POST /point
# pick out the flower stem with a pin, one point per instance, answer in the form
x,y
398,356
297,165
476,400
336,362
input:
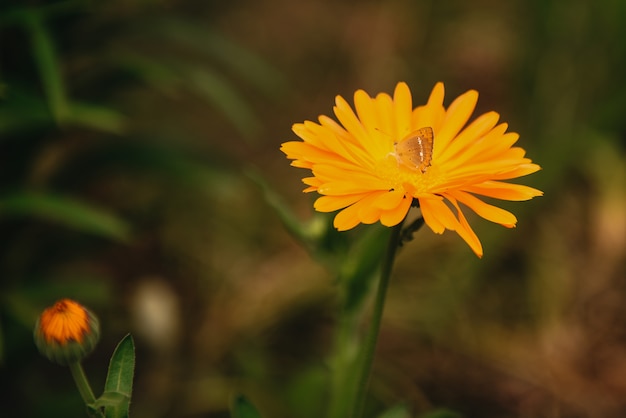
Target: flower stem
x,y
84,388
367,354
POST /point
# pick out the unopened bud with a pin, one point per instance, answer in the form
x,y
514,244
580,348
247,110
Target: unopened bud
x,y
66,332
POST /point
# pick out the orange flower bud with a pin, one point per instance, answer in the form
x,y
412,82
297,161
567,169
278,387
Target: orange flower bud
x,y
66,332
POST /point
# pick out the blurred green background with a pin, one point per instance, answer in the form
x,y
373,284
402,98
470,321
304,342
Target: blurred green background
x,y
140,174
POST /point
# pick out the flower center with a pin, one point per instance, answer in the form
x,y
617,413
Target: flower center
x,y
402,177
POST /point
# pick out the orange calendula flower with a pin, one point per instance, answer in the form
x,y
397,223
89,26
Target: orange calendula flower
x,y
66,332
388,156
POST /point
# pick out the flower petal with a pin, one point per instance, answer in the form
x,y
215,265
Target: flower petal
x,y
348,119
359,180
504,191
457,116
371,119
349,149
519,171
333,203
437,215
402,109
394,216
305,150
467,233
338,188
466,139
347,218
485,210
433,112
389,200
368,213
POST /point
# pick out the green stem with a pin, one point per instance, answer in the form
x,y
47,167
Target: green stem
x,y
84,388
367,355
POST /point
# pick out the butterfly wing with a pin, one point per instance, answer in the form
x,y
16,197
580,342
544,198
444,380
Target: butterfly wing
x,y
415,150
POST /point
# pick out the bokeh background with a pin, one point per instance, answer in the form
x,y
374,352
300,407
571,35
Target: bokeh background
x,y
140,174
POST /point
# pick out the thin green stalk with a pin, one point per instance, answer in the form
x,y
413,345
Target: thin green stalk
x,y
367,354
84,388
342,363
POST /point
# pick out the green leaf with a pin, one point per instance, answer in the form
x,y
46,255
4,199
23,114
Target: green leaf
x,y
397,411
167,164
96,117
45,56
243,408
221,93
111,399
441,413
25,110
283,211
197,37
162,76
67,211
169,75
119,383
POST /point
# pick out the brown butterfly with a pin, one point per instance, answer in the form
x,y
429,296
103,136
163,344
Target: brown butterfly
x,y
415,150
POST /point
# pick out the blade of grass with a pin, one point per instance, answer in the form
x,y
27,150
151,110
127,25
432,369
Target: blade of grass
x,y
67,211
46,59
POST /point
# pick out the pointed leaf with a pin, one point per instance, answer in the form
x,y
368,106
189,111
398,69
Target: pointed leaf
x,y
197,37
96,117
283,211
120,378
221,93
243,408
46,58
71,212
397,411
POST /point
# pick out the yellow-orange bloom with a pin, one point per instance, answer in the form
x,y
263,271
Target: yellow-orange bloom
x,y
375,163
65,321
66,331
